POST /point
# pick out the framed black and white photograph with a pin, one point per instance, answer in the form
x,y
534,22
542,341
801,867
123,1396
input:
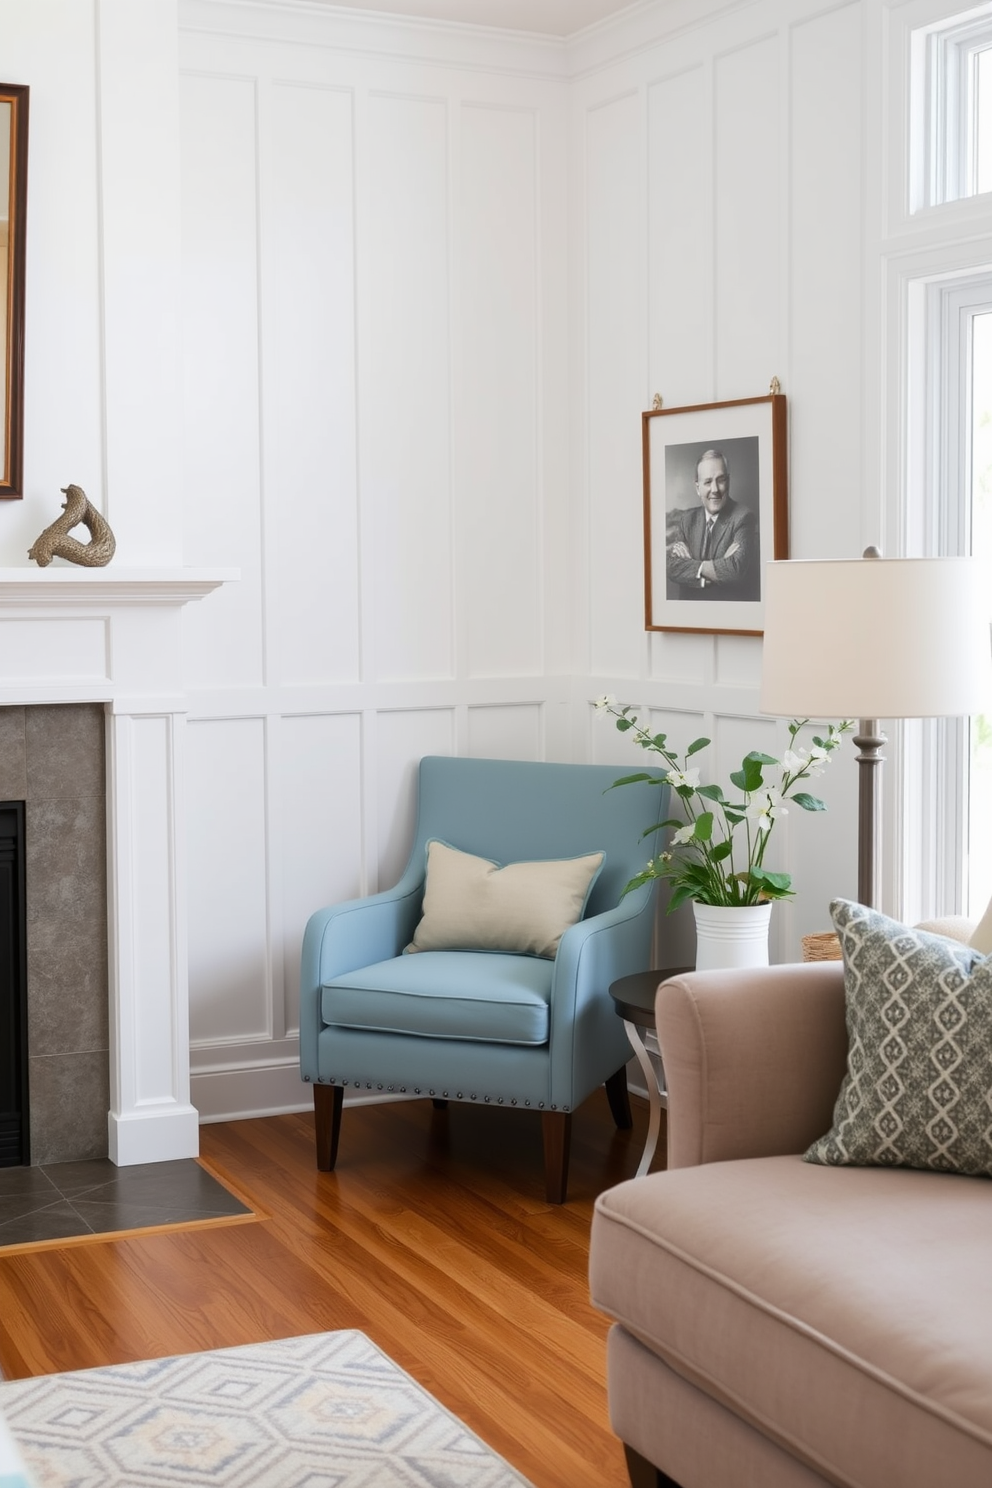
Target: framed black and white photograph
x,y
716,509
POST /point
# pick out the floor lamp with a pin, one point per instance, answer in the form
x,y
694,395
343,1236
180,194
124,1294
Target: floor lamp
x,y
872,638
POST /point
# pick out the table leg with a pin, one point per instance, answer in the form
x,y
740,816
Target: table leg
x,y
656,1100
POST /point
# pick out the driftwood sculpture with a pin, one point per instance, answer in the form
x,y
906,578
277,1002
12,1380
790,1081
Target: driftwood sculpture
x,y
55,541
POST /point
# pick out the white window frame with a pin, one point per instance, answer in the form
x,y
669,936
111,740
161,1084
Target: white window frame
x,y
935,754
944,78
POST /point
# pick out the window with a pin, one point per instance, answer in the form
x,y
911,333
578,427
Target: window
x,y
952,108
979,487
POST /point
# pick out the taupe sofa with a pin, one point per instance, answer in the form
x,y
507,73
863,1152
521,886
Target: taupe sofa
x,y
780,1324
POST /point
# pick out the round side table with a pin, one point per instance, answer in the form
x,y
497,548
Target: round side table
x,y
634,998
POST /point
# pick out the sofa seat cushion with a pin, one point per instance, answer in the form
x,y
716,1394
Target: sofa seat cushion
x,y
845,1312
475,995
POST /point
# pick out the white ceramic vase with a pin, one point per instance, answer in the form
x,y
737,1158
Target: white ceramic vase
x,y
728,937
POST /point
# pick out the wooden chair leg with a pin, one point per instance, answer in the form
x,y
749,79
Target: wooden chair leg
x,y
327,1103
644,1474
616,1094
557,1131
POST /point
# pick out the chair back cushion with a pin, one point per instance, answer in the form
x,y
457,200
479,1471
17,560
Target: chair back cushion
x,y
514,811
474,904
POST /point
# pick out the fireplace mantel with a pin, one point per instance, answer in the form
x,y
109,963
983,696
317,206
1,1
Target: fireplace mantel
x,y
114,636
98,587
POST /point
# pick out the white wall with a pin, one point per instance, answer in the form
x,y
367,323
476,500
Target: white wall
x,y
371,310
374,296
717,237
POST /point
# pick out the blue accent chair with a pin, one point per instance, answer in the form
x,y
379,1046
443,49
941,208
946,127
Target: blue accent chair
x,y
424,1036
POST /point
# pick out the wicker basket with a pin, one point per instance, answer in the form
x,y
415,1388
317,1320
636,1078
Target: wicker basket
x,y
822,947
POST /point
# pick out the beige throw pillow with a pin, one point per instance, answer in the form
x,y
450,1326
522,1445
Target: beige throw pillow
x,y
472,904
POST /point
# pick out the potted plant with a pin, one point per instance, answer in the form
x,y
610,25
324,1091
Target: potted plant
x,y
716,854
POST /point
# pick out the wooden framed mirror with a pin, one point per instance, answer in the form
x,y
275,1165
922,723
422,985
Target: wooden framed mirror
x,y
13,238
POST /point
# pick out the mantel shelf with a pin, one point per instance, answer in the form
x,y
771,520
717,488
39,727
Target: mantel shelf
x,y
100,587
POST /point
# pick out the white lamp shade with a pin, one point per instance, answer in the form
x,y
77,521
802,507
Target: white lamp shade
x,y
876,638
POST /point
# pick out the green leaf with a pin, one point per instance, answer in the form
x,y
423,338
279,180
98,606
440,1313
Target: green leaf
x,y
659,741
704,826
751,771
634,779
721,851
680,894
780,882
711,792
696,746
762,759
623,724
808,802
672,821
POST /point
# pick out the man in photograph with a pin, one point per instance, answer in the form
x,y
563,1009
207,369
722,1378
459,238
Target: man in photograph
x,y
712,550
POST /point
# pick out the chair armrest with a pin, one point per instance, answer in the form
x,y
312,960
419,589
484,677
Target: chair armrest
x,y
754,1059
585,1027
358,932
955,927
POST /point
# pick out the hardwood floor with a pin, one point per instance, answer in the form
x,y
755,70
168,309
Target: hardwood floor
x,y
432,1236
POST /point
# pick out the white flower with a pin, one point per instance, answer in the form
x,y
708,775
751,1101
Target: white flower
x,y
684,834
794,759
764,806
604,703
819,753
680,778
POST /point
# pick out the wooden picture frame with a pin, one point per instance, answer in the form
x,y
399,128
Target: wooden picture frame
x,y
728,460
13,252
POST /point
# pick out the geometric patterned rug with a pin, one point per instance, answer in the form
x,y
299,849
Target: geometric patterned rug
x,y
328,1410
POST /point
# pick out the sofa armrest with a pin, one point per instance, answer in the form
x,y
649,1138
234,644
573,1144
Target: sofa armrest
x,y
754,1059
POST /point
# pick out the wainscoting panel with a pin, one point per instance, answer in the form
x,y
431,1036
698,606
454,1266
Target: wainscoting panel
x,y
310,455
826,234
220,445
497,397
402,739
229,921
507,732
615,315
751,250
317,817
405,381
680,237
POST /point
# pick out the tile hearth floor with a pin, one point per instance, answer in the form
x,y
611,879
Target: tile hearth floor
x,y
64,1201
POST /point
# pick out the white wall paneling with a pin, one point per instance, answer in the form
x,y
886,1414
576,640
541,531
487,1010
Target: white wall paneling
x,y
309,394
748,239
138,135
497,391
230,976
681,242
613,313
422,282
374,354
826,234
405,380
502,732
220,435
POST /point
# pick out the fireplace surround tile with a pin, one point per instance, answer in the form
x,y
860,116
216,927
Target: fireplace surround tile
x,y
65,752
13,756
70,1096
53,757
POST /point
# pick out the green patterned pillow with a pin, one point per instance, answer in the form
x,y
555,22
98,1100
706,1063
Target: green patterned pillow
x,y
918,1088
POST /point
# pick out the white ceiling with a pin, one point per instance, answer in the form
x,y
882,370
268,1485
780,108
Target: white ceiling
x,y
546,17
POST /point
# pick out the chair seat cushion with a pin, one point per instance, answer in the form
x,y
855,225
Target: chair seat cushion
x,y
844,1312
473,995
